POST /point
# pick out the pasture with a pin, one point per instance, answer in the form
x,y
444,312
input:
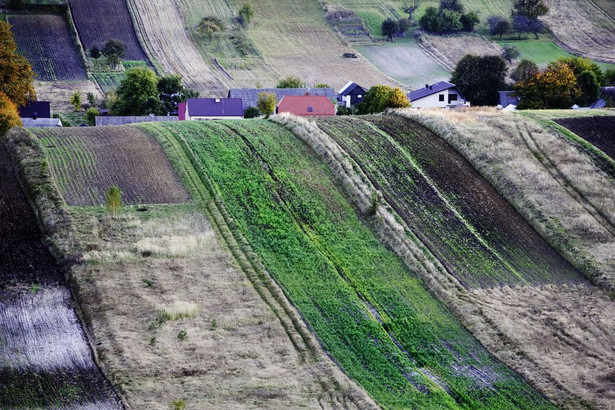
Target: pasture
x,y
369,311
100,21
84,170
45,40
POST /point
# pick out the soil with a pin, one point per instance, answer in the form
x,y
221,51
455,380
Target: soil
x,y
600,131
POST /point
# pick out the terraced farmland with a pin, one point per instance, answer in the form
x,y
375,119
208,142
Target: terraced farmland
x,y
473,231
596,130
84,169
370,312
103,20
44,39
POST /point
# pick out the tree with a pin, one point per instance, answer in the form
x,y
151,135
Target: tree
x,y
510,53
171,92
469,21
389,27
480,78
209,26
381,97
114,50
524,71
95,53
453,5
499,25
113,199
555,87
442,20
251,112
266,103
9,116
90,115
322,85
92,100
589,86
402,26
580,64
136,93
16,75
410,7
531,9
246,12
609,77
75,101
16,4
290,82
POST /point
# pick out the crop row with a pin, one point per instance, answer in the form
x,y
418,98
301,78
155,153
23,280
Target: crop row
x,y
465,223
370,312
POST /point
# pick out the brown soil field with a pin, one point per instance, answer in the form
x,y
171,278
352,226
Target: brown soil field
x,y
568,331
103,20
86,162
162,27
46,42
600,131
589,31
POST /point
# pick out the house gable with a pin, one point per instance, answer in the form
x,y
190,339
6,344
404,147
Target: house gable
x,y
306,105
439,95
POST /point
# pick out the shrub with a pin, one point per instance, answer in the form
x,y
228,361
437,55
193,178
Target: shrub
x,y
75,101
246,12
290,82
114,199
266,103
251,112
182,335
90,115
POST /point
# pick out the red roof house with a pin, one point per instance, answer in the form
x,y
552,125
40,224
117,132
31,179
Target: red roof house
x,y
306,105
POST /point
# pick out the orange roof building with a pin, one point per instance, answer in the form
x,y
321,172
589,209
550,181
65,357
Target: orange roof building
x,y
306,105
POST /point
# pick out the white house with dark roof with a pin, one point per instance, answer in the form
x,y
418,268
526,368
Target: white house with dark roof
x,y
439,95
350,94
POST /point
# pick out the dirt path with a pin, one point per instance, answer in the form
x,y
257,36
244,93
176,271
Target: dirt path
x,y
45,359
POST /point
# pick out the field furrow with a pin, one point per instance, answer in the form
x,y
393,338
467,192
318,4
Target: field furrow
x,y
370,312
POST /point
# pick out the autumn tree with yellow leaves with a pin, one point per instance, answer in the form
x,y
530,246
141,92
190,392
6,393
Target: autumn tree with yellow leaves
x,y
9,117
555,87
16,75
381,97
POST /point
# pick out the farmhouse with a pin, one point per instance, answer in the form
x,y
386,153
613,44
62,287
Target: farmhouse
x,y
249,96
212,109
306,105
350,94
35,109
439,95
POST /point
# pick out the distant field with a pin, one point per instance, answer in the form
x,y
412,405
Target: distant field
x,y
406,62
600,131
448,50
84,171
103,20
46,42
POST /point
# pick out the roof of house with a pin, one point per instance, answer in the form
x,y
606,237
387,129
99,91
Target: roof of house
x,y
350,87
123,120
607,92
250,95
38,109
429,90
507,98
599,103
306,105
41,122
214,107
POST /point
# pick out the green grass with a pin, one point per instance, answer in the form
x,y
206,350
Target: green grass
x,y
108,81
370,312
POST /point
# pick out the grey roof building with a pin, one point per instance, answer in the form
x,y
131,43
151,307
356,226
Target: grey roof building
x,y
507,98
249,96
123,120
41,122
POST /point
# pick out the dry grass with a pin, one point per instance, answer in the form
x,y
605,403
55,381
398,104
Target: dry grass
x,y
60,92
569,332
555,186
583,28
235,353
165,37
447,51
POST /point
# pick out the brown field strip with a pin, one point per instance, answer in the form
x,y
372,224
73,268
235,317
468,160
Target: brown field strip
x,y
599,131
86,162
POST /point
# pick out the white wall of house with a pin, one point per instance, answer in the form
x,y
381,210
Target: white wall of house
x,y
439,100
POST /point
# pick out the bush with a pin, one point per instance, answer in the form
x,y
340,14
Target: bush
x,y
266,103
251,112
9,116
440,21
75,101
469,21
499,25
90,115
290,82
114,199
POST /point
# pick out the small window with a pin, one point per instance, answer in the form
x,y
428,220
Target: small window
x,y
452,97
359,96
310,109
441,97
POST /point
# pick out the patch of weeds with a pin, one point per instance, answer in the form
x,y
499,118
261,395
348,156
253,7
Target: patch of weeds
x,y
214,324
178,404
160,319
35,288
182,335
148,282
153,341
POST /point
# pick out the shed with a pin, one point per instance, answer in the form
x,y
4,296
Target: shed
x,y
350,94
306,105
249,96
439,95
213,108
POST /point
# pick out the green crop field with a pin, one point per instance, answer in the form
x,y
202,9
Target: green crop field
x,y
370,312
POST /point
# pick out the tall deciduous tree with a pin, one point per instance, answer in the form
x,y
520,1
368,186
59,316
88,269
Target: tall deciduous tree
x,y
555,87
524,71
499,25
389,27
138,93
9,117
410,7
480,78
171,92
529,8
16,75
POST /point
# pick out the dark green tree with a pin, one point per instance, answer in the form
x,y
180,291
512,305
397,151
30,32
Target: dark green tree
x,y
499,25
171,92
137,93
510,53
609,77
115,47
389,27
529,8
251,112
95,53
590,88
469,21
480,78
524,71
453,5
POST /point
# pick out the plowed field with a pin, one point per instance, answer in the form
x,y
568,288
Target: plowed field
x,y
600,131
103,20
86,162
476,234
46,42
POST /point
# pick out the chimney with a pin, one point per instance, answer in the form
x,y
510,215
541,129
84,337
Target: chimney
x,y
430,87
426,85
307,93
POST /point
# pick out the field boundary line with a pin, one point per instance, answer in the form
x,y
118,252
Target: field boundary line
x,y
305,343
